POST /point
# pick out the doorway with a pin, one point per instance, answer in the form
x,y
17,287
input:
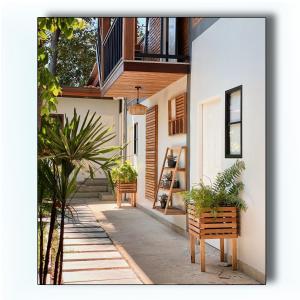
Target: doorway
x,y
211,144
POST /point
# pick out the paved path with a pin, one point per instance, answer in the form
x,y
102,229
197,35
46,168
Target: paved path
x,y
158,251
90,256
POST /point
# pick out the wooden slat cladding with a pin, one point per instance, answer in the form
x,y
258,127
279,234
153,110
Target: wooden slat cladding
x,y
177,123
154,36
151,152
222,224
126,187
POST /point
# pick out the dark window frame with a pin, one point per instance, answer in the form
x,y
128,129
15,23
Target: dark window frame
x,y
228,123
135,137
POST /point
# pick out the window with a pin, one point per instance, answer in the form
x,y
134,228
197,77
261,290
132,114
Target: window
x,y
233,123
177,115
135,139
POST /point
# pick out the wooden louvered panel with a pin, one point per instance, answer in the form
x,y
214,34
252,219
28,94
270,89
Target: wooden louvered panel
x,y
177,123
151,152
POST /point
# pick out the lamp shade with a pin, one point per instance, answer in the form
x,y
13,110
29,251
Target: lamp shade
x,y
137,109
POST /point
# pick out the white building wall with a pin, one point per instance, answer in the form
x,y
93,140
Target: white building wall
x,y
228,54
107,109
164,140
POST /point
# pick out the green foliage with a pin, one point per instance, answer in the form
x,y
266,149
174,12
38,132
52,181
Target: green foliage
x,y
82,146
124,173
225,191
77,56
63,152
48,84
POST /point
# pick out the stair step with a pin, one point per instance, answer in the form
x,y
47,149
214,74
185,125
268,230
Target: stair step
x,y
86,195
107,196
92,188
96,181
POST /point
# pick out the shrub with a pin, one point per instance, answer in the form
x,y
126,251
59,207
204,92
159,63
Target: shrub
x,y
124,173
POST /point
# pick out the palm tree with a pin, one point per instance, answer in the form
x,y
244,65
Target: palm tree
x,y
70,149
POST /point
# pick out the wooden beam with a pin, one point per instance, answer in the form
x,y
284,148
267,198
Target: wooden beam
x,y
82,92
105,24
129,38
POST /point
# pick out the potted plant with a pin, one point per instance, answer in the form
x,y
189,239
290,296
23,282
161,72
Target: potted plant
x,y
176,184
213,211
171,160
124,177
224,192
166,180
163,200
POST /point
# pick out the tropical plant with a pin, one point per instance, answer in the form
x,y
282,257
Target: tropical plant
x,y
124,173
63,153
49,31
225,191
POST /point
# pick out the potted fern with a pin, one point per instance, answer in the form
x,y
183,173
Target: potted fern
x,y
224,192
124,177
213,211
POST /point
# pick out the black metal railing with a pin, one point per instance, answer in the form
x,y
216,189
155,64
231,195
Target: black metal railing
x,y
98,52
112,47
168,48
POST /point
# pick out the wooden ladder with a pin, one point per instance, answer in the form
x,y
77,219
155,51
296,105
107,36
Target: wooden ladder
x,y
174,172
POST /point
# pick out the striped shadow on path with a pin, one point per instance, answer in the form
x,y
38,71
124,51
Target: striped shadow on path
x,y
90,256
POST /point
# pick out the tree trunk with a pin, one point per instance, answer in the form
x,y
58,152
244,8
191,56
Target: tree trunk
x,y
41,247
62,231
50,237
59,254
54,51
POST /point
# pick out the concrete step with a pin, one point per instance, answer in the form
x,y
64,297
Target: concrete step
x,y
92,188
109,281
96,181
87,241
86,195
89,248
94,264
81,235
104,255
99,275
107,196
83,230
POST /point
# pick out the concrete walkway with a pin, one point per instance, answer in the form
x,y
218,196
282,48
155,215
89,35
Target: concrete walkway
x,y
157,251
90,256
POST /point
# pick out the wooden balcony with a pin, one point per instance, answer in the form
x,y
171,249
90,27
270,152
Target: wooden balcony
x,y
125,63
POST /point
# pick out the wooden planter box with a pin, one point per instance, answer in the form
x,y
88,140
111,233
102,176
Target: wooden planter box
x,y
128,188
222,225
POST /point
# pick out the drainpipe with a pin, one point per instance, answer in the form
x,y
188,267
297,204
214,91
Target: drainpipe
x,y
124,100
188,100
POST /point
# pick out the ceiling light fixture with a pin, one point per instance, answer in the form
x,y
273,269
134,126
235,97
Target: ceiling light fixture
x,y
137,109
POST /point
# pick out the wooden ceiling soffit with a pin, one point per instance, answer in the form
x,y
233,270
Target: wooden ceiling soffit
x,y
151,76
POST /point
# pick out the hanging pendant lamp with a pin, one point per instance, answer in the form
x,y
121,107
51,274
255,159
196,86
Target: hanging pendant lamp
x,y
137,109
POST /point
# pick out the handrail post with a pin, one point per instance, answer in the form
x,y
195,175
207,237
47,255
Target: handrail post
x,y
128,46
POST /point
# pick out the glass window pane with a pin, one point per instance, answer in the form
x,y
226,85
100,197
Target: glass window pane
x,y
235,138
235,106
172,36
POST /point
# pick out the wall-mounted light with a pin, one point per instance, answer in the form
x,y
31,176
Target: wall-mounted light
x,y
137,109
